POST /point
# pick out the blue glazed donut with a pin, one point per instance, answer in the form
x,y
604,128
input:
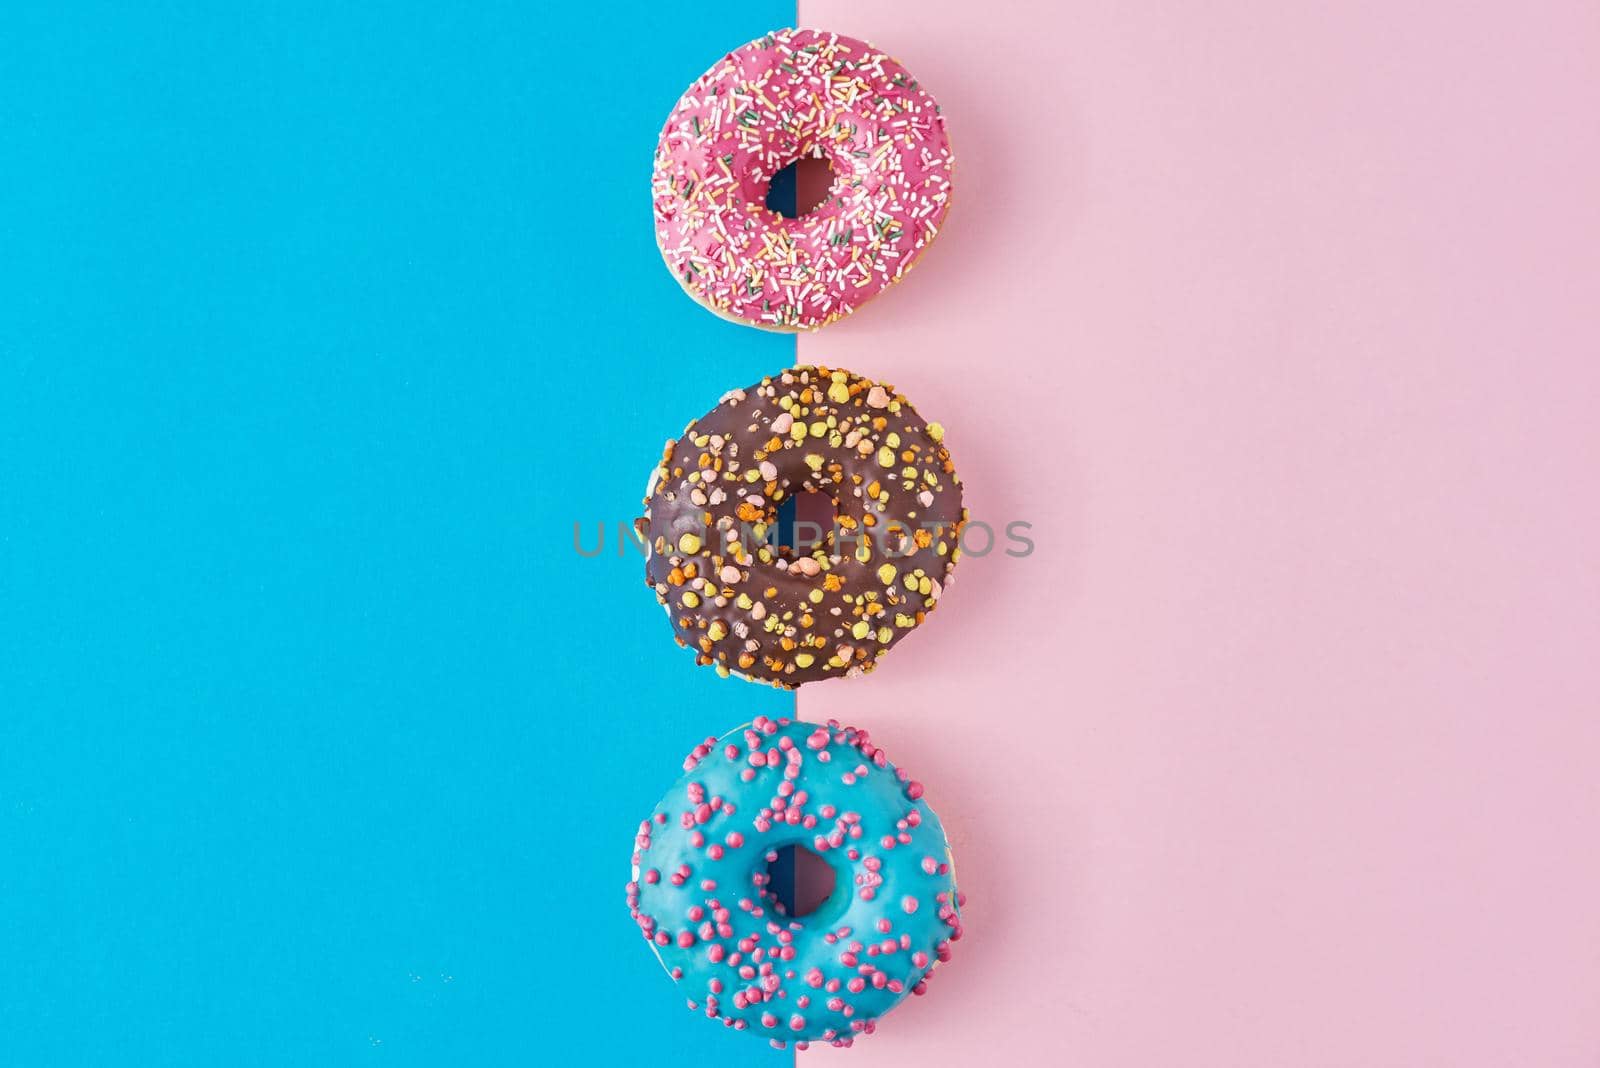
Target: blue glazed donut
x,y
701,891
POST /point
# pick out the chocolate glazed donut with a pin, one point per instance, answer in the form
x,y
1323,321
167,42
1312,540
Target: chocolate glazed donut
x,y
749,606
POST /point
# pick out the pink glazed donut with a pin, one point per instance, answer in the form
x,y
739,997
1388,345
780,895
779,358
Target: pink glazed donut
x,y
790,95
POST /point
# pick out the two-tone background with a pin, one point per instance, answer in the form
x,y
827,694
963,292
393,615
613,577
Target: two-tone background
x,y
322,325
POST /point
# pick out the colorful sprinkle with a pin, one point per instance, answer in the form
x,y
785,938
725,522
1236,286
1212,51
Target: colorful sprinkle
x,y
786,615
791,95
832,974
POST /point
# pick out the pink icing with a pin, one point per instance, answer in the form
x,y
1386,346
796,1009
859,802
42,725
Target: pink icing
x,y
792,94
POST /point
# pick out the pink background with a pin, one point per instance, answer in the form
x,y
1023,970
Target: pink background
x,y
1279,322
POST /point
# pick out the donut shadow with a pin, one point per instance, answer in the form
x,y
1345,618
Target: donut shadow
x,y
998,929
985,595
989,223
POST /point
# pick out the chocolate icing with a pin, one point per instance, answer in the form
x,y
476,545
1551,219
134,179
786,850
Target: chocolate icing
x,y
789,616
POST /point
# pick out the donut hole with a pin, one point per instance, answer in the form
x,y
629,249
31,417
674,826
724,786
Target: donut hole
x,y
805,521
801,188
800,880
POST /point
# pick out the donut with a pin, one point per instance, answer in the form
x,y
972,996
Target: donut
x,y
786,616
702,896
790,95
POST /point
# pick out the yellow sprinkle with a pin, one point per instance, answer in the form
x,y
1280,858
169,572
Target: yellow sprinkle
x,y
819,428
885,634
813,461
860,630
717,631
885,457
936,432
803,660
691,599
689,544
839,393
886,574
816,596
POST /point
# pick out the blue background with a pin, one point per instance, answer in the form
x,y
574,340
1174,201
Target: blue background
x,y
320,329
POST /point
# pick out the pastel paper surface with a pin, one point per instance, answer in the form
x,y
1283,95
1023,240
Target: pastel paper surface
x,y
1278,322
301,762
1275,320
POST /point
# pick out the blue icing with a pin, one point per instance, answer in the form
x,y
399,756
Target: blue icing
x,y
700,895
